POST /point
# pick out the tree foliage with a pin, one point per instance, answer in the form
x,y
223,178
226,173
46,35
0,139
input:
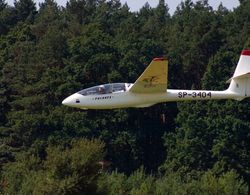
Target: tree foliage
x,y
74,169
49,52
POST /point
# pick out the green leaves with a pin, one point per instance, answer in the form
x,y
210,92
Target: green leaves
x,y
25,9
71,170
50,53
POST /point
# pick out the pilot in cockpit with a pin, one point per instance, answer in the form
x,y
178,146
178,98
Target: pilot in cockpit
x,y
101,89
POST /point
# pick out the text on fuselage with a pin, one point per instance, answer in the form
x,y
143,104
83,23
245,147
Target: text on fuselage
x,y
102,98
184,94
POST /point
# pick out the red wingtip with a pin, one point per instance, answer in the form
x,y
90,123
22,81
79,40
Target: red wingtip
x,y
245,52
159,59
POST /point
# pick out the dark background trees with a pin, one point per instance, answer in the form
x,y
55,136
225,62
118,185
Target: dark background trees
x,y
49,52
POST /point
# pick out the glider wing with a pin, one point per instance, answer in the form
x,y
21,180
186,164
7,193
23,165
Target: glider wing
x,y
153,79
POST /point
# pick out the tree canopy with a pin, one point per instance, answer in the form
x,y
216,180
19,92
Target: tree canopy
x,y
48,52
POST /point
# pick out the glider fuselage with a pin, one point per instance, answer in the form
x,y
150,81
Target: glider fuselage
x,y
139,100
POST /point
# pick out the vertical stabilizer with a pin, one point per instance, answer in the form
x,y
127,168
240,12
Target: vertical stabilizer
x,y
240,82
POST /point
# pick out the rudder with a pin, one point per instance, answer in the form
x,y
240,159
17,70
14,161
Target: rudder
x,y
240,82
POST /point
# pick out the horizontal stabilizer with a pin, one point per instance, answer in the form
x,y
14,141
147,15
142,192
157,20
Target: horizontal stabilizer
x,y
239,77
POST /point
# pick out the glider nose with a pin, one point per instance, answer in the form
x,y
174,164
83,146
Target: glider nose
x,y
71,100
67,101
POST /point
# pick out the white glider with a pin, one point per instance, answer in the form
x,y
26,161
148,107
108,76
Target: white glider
x,y
151,88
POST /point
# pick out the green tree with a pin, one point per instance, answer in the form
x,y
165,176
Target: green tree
x,y
211,134
3,5
8,18
51,52
71,170
26,10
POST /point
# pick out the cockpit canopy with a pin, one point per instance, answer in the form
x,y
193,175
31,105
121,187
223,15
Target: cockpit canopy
x,y
105,89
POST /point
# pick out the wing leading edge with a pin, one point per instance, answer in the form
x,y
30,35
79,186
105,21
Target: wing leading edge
x,y
153,79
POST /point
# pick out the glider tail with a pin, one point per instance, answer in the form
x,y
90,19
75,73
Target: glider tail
x,y
240,82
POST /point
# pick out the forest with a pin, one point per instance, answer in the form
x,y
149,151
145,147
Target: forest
x,y
48,52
